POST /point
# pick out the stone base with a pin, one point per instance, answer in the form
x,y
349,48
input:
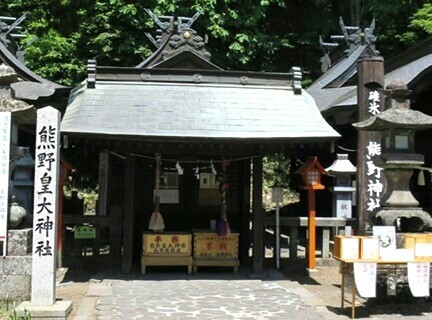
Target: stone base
x,y
59,311
311,271
19,242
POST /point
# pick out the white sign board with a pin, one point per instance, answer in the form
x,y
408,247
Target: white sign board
x,y
387,237
343,206
167,196
45,207
5,132
418,278
365,274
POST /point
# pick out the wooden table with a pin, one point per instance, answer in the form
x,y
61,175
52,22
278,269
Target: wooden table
x,y
347,266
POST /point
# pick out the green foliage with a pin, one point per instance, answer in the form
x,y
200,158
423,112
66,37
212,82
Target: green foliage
x,y
5,305
257,35
422,19
14,315
276,173
276,170
58,56
7,309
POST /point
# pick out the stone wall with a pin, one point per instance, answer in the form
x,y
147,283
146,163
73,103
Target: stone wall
x,y
16,267
15,277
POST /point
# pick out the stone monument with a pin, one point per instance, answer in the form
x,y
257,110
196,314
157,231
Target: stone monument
x,y
43,302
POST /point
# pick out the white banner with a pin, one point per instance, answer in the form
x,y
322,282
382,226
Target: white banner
x,y
365,274
5,132
418,278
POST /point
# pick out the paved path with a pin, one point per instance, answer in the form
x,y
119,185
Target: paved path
x,y
207,296
221,296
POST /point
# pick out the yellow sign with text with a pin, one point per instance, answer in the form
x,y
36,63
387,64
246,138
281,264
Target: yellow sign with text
x,y
210,245
167,244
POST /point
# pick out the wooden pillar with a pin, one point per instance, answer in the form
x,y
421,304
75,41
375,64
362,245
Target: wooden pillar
x,y
128,214
104,171
370,102
245,211
258,217
311,263
293,230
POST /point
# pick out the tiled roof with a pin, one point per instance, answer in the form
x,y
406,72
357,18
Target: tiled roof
x,y
408,67
220,109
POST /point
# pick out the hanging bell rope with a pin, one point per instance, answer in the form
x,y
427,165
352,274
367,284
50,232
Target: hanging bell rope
x,y
156,220
223,227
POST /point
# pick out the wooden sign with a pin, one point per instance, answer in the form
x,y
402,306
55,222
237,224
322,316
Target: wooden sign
x,y
210,245
370,178
167,244
85,232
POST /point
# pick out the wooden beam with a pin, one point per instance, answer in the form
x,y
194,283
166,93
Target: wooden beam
x,y
244,195
128,214
258,217
104,171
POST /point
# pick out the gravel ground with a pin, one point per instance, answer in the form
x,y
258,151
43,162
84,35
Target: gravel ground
x,y
326,284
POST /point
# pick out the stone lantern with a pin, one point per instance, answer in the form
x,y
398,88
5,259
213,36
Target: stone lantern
x,y
398,124
343,170
23,179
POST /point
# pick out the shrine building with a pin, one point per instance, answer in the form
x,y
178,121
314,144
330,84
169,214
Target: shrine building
x,y
180,117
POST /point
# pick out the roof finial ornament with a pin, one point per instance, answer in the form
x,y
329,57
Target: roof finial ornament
x,y
6,35
353,36
169,24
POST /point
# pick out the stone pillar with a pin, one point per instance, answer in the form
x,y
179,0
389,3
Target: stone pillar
x,y
5,129
47,155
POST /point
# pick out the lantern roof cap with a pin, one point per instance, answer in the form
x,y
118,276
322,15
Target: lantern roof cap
x,y
341,165
396,118
311,163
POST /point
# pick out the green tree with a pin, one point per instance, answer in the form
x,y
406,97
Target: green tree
x,y
260,35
